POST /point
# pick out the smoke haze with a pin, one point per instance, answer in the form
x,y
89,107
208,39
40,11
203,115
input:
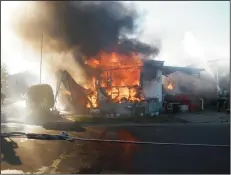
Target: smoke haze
x,y
90,27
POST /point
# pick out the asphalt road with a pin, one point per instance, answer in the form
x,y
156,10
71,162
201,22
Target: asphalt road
x,y
181,158
35,156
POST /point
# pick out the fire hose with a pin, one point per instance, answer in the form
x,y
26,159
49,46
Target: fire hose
x,y
65,136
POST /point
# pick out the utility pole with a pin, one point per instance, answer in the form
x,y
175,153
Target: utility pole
x,y
41,59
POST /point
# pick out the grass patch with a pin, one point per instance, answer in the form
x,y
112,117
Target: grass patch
x,y
125,119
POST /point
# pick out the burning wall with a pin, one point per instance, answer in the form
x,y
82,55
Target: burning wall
x,y
119,80
128,78
123,69
120,76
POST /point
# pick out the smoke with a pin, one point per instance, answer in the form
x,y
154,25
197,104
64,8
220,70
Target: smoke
x,y
217,68
133,45
90,27
149,71
74,31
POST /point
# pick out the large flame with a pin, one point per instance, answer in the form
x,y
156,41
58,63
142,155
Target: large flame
x,y
93,96
120,75
122,69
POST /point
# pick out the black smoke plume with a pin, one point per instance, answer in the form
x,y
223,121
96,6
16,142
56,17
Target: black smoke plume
x,y
89,26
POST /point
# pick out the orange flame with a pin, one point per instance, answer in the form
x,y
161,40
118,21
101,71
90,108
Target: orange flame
x,y
120,74
93,96
170,86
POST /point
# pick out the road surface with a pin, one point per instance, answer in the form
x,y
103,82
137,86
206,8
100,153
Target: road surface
x,y
179,155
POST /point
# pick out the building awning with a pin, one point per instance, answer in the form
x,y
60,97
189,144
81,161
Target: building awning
x,y
171,69
153,63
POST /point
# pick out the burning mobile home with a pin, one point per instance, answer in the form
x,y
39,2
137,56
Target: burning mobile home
x,y
135,86
128,85
124,86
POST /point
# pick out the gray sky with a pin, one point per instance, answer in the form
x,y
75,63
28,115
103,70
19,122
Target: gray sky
x,y
189,31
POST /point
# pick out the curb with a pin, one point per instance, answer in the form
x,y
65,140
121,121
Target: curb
x,y
154,124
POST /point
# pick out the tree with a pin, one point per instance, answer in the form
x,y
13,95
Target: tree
x,y
4,75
